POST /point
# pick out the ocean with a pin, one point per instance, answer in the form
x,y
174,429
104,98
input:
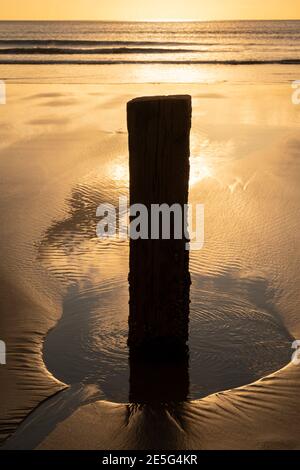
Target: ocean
x,y
230,42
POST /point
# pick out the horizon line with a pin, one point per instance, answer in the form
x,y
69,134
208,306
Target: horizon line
x,y
152,21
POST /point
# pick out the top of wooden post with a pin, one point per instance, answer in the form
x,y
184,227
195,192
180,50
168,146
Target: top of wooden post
x,y
171,111
149,102
186,98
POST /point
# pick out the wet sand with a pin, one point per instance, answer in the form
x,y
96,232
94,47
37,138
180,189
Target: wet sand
x,y
64,293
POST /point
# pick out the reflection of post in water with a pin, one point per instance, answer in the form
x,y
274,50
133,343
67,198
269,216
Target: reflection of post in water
x,y
159,280
159,380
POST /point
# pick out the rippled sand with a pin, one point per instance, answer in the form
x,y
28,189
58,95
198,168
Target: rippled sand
x,y
65,295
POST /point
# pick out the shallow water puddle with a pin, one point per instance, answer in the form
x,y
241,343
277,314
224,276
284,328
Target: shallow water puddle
x,y
236,335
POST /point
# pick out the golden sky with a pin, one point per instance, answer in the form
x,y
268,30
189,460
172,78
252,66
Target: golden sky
x,y
149,9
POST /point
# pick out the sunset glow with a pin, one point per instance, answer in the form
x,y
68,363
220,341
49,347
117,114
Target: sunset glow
x,y
136,10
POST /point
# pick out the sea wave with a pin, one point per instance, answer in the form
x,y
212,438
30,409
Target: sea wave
x,y
119,50
79,44
55,61
91,43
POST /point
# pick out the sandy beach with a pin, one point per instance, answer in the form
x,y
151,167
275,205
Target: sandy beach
x,y
64,292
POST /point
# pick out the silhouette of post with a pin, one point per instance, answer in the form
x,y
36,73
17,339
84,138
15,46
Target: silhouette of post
x,y
159,280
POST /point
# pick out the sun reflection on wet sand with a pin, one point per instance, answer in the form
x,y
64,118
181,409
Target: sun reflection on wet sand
x,y
118,170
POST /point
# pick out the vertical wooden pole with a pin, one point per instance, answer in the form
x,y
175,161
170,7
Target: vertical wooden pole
x,y
159,280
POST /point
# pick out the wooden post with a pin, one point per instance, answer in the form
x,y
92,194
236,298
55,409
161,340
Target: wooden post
x,y
159,280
